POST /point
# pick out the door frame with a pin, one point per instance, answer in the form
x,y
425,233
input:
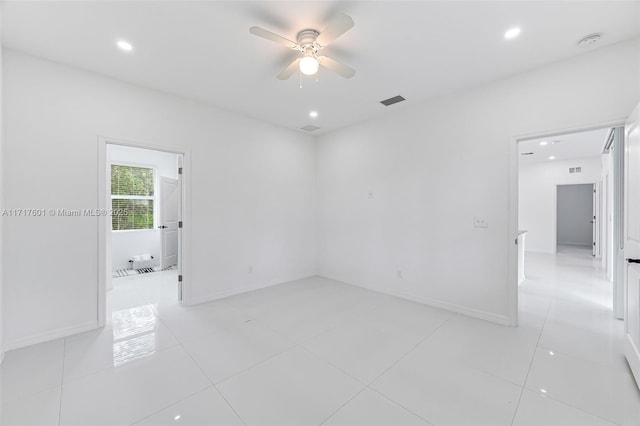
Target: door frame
x,y
512,203
104,227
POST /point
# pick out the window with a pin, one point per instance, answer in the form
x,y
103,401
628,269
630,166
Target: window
x,y
132,197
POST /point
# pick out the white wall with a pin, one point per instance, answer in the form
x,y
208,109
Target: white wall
x,y
435,166
575,214
125,244
1,202
253,192
537,197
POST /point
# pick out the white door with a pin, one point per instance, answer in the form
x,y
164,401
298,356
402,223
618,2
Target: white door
x,y
632,242
169,202
594,224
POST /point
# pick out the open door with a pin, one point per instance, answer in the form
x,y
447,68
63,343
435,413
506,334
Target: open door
x,y
169,216
594,223
632,242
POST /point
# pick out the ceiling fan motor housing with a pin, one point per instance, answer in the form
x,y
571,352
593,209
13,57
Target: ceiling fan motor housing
x,y
306,40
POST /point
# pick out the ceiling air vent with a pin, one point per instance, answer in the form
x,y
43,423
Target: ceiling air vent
x,y
575,170
589,40
309,128
393,100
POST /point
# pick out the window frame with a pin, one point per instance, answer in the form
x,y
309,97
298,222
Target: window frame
x,y
154,197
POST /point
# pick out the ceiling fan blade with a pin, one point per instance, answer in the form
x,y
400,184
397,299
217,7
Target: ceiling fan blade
x,y
336,27
337,67
261,32
289,70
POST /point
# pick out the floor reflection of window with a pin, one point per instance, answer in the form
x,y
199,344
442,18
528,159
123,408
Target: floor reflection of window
x,y
134,334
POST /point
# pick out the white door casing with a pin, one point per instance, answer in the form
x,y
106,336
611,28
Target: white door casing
x,y
593,222
632,242
169,216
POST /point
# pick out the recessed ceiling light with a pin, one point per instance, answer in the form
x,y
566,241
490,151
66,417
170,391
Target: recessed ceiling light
x,y
313,114
552,158
125,45
543,143
512,33
543,390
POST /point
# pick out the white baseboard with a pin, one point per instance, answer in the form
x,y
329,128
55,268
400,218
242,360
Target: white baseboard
x,y
464,310
50,335
245,289
579,245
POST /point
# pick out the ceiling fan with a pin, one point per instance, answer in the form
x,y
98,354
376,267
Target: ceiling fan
x,y
309,43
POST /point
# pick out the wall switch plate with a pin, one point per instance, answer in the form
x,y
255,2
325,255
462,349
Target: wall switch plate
x,y
480,222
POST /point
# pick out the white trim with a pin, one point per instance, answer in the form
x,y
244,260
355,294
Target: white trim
x,y
632,355
512,270
48,336
247,288
452,307
104,233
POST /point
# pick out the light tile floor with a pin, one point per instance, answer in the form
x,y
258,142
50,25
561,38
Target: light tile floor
x,y
317,352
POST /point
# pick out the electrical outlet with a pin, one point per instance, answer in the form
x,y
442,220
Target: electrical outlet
x,y
399,273
480,222
370,195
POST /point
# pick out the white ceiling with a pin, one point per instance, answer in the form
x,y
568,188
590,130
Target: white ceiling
x,y
418,49
564,147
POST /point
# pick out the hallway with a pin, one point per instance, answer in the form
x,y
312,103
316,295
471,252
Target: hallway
x,y
579,359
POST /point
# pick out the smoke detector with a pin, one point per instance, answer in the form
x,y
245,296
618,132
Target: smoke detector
x,y
309,128
589,40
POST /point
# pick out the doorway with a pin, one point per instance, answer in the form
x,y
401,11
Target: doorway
x,y
576,212
141,235
546,169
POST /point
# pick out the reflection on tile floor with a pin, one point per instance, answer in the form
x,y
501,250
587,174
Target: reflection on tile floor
x,y
317,352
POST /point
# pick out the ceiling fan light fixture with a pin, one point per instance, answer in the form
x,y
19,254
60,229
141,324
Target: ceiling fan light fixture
x,y
309,65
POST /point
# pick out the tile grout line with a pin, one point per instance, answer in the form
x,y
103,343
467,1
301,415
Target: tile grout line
x,y
368,385
169,406
341,406
229,404
212,384
399,405
203,373
582,411
410,350
515,412
180,343
301,346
